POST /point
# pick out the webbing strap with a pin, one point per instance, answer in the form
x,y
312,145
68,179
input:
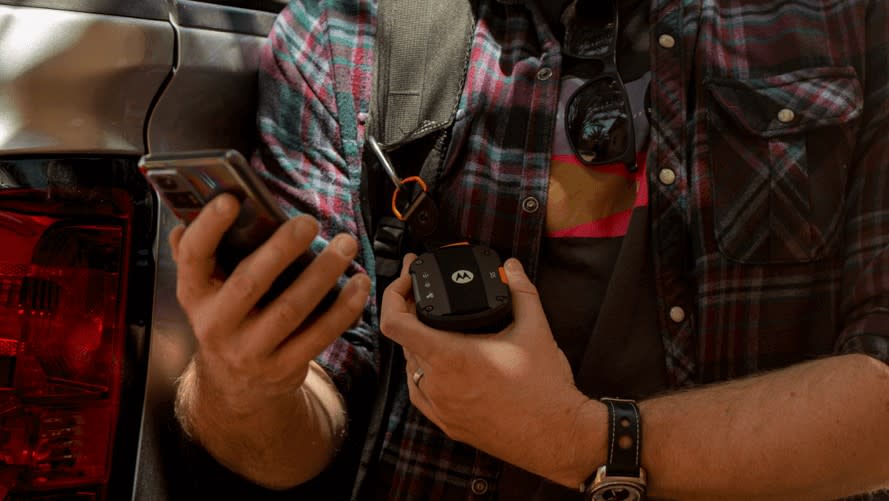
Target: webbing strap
x,y
421,58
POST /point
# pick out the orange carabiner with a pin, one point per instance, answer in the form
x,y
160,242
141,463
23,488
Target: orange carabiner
x,y
412,179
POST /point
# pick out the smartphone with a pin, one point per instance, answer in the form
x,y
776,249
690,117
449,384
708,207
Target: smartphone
x,y
187,181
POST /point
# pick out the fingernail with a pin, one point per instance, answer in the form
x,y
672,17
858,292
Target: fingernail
x,y
513,266
222,204
302,225
345,245
358,283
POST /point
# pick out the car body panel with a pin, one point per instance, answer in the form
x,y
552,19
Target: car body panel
x,y
118,79
77,82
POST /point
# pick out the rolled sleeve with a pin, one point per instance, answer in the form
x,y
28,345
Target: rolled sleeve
x,y
868,336
865,301
313,83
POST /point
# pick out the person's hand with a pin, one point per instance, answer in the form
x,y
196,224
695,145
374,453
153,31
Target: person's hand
x,y
247,357
510,394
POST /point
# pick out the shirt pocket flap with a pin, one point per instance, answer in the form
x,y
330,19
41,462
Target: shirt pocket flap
x,y
791,102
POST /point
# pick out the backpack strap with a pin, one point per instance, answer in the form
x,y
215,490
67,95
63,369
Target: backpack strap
x,y
422,57
421,48
422,53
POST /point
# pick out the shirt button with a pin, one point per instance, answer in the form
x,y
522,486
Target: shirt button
x,y
544,73
666,41
677,314
786,116
530,205
479,486
667,176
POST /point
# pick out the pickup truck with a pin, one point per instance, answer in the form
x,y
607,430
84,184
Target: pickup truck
x,y
91,336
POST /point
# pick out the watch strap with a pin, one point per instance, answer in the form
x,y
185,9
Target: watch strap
x,y
624,437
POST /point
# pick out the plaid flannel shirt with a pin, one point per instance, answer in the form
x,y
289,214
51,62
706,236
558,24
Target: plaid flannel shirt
x,y
768,180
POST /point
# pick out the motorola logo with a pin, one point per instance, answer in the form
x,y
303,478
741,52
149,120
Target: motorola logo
x,y
462,277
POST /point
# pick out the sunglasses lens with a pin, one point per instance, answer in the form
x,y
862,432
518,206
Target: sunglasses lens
x,y
598,123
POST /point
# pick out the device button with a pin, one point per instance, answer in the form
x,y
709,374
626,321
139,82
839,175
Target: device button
x,y
503,277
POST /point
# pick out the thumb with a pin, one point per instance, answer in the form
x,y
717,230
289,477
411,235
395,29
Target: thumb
x,y
525,300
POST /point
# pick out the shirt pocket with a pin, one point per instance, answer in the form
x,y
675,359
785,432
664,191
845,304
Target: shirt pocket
x,y
779,153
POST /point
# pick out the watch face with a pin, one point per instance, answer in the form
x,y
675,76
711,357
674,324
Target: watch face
x,y
618,491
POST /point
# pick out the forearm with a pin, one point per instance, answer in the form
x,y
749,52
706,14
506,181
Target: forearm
x,y
281,445
814,431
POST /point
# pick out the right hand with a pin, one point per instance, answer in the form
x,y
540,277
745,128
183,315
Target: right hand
x,y
248,357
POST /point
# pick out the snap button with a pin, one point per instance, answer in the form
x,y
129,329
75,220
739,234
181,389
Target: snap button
x,y
666,41
786,116
544,73
479,486
530,205
667,176
677,314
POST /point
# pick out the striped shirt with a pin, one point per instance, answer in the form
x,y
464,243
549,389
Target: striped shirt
x,y
767,173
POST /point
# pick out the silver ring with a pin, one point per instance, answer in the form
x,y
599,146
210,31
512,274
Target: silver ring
x,y
418,375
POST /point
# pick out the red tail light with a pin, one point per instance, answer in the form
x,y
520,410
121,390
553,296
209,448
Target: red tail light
x,y
62,328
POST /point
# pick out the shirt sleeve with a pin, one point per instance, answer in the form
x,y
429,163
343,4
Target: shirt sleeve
x,y
313,83
865,302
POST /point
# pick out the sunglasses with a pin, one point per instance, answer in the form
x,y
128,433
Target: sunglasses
x,y
598,119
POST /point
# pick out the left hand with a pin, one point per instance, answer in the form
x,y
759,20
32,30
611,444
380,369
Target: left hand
x,y
510,394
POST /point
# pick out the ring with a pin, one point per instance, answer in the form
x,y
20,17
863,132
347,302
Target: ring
x,y
418,375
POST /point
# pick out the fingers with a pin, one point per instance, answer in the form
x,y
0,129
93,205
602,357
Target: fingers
x,y
415,368
196,249
294,305
525,300
309,343
399,322
401,286
408,356
397,319
175,237
395,299
418,396
255,274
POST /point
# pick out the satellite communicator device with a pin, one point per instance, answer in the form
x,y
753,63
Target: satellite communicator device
x,y
463,288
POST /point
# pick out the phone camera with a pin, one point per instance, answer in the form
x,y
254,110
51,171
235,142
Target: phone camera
x,y
183,200
167,183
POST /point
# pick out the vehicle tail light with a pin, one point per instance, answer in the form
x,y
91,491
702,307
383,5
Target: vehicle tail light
x,y
62,327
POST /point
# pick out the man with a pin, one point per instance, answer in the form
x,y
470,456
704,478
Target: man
x,y
751,239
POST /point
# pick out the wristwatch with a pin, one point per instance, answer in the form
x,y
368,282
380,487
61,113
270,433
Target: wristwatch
x,y
621,479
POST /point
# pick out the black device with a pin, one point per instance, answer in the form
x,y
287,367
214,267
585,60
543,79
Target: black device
x,y
187,181
462,288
